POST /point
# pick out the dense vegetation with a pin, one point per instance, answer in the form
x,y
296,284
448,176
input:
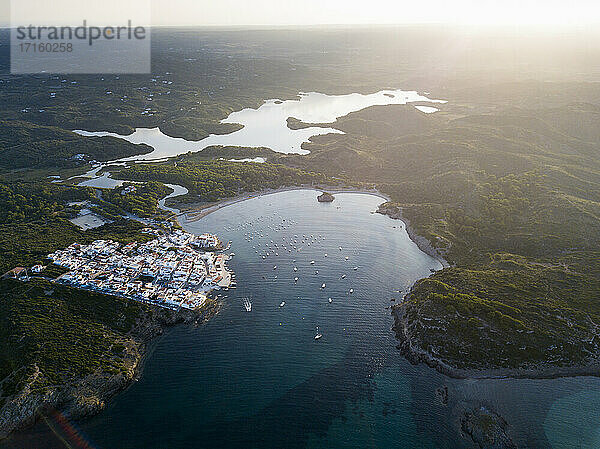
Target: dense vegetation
x,y
59,332
143,201
211,180
25,145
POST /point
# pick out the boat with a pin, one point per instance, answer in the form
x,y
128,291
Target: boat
x,y
295,279
282,304
330,300
355,268
323,286
325,254
351,290
295,269
247,305
319,335
343,276
274,267
312,262
347,257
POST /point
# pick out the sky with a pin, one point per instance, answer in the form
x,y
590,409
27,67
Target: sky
x,y
322,12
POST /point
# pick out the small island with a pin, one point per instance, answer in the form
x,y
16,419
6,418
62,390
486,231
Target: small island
x,y
325,197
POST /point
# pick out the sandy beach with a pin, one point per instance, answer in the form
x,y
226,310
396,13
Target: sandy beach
x,y
196,211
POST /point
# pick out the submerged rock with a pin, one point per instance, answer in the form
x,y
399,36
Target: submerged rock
x,y
442,394
487,429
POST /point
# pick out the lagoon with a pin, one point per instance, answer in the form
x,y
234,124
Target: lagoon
x,y
266,126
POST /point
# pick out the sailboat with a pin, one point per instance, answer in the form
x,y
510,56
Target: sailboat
x,y
247,305
318,336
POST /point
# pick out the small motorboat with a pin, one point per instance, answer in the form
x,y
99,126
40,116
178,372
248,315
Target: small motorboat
x,y
319,335
323,286
330,300
275,267
282,304
343,276
351,290
355,268
312,262
295,279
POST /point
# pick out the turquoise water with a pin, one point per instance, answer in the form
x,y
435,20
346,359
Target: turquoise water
x,y
261,380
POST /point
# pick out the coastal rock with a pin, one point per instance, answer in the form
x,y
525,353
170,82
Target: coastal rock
x,y
487,429
325,197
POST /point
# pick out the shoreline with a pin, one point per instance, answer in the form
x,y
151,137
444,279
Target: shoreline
x,y
395,213
197,211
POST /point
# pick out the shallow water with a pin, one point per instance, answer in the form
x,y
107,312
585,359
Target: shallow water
x,y
260,379
177,191
266,126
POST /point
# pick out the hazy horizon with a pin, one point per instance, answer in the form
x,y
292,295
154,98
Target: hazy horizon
x,y
270,13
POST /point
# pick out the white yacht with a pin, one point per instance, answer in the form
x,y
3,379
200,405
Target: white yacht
x,y
318,336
